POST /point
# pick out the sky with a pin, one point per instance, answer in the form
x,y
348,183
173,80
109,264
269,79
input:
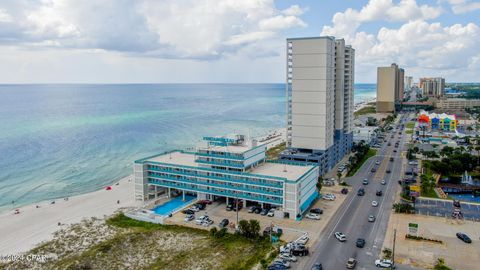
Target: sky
x,y
229,41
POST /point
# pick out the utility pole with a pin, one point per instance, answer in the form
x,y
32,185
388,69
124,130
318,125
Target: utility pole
x,y
393,250
236,206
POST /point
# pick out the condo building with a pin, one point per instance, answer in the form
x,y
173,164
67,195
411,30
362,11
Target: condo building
x,y
432,87
319,90
390,86
229,168
408,82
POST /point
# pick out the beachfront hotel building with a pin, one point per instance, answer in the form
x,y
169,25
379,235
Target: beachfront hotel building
x,y
390,86
319,91
227,169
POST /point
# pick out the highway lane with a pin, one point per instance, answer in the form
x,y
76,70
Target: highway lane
x,y
351,218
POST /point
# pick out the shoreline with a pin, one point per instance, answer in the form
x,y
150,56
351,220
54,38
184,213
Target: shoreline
x,y
39,224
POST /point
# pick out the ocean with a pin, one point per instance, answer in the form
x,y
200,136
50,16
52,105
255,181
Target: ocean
x,y
63,140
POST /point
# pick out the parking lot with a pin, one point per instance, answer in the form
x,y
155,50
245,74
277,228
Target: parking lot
x,y
422,254
442,208
292,229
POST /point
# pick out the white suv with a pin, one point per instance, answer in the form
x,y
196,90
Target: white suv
x,y
340,236
384,263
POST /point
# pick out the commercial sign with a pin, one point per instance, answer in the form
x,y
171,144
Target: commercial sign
x,y
415,188
414,194
413,228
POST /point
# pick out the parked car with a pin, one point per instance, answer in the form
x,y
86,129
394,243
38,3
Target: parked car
x,y
360,243
328,197
188,212
229,207
351,263
264,212
302,240
316,211
365,181
200,206
371,218
313,216
340,236
344,191
374,203
205,202
271,212
379,193
464,238
300,251
194,208
258,210
287,257
383,182
276,267
282,262
223,223
361,192
200,220
189,217
317,266
207,222
252,209
384,263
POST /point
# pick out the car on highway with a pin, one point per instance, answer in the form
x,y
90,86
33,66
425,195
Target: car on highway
x,y
388,171
383,182
384,263
391,159
379,193
365,182
360,243
361,192
317,266
377,162
316,211
394,150
464,238
373,170
374,203
351,263
371,218
340,236
389,144
313,216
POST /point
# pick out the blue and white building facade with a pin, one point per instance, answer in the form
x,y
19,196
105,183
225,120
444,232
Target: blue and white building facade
x,y
320,79
229,168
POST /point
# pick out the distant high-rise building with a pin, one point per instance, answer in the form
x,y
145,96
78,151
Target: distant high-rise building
x,y
320,77
390,85
408,82
432,87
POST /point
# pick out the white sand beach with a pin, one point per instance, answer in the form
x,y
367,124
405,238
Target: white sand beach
x,y
23,231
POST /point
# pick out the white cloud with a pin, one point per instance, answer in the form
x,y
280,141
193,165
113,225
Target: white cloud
x,y
422,47
464,6
194,29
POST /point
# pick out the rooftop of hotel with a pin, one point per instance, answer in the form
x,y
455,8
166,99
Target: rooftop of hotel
x,y
284,170
231,143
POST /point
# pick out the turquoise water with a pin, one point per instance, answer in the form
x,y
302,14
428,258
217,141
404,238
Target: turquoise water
x,y
465,197
62,140
173,204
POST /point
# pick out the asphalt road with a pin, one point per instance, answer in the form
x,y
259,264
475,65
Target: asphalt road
x,y
351,217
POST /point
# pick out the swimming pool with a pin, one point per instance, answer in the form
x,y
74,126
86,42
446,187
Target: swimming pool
x,y
465,197
173,204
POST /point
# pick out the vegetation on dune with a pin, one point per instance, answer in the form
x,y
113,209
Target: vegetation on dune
x,y
124,243
440,265
274,152
365,110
